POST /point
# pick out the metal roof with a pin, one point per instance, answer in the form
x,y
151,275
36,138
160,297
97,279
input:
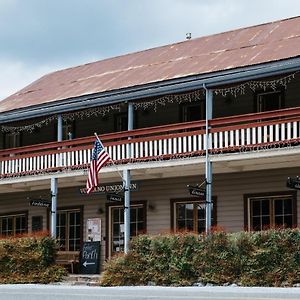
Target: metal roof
x,y
244,47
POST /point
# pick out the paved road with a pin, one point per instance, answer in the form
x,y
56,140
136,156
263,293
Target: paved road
x,y
58,292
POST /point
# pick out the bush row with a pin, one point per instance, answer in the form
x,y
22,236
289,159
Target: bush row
x,y
267,258
29,260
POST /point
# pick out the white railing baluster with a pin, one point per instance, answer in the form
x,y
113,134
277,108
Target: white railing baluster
x,y
271,133
277,132
248,133
184,141
289,131
179,144
242,137
151,148
282,131
253,141
174,146
237,137
216,146
295,135
231,139
259,135
160,147
265,134
221,139
225,139
146,149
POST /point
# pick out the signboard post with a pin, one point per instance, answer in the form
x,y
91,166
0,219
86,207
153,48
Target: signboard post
x,y
90,258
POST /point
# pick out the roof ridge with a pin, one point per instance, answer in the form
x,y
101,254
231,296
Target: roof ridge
x,y
171,44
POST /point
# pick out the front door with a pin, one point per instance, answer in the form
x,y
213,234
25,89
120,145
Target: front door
x,y
116,225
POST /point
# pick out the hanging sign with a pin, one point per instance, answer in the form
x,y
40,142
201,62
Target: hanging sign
x,y
293,183
40,203
115,198
196,191
110,188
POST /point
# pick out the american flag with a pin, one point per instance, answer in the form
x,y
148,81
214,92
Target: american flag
x,y
99,158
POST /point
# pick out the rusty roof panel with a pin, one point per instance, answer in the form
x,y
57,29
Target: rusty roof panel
x,y
238,48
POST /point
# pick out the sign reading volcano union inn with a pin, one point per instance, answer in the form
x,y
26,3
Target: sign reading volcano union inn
x,y
111,188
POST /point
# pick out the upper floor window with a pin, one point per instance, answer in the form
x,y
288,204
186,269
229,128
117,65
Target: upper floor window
x,y
267,101
264,212
192,112
68,131
121,122
12,140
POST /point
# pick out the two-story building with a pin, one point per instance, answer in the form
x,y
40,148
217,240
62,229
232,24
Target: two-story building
x,y
249,78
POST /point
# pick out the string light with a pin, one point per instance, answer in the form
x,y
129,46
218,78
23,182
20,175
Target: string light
x,y
255,85
193,96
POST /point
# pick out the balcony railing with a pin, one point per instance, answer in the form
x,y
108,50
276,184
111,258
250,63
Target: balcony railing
x,y
230,134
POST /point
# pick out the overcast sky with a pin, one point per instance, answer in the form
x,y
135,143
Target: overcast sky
x,y
41,36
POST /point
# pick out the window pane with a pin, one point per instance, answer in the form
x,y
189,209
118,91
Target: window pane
x,y
278,207
288,208
265,207
256,208
256,223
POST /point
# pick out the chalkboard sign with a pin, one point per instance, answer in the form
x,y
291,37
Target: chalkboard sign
x,y
90,258
36,223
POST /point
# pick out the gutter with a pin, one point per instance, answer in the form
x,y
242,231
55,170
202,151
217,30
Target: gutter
x,y
185,84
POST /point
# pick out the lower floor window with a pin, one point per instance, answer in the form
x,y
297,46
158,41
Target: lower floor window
x,y
266,212
191,216
68,227
116,230
11,225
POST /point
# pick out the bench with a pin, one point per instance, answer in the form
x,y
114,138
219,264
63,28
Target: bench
x,y
67,258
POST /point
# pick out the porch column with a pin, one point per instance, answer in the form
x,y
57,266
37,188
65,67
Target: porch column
x,y
53,206
208,164
127,179
54,181
59,128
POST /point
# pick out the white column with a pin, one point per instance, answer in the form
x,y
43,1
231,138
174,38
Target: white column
x,y
127,179
208,164
53,206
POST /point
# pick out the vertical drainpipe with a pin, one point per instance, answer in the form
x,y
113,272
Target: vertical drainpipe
x,y
127,179
208,164
54,183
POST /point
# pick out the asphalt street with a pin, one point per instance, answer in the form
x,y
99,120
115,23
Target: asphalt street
x,y
59,292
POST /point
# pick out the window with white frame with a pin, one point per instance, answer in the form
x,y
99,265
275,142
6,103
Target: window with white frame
x,y
273,211
13,224
189,215
69,229
116,227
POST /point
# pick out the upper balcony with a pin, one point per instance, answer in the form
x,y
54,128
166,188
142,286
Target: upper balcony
x,y
266,131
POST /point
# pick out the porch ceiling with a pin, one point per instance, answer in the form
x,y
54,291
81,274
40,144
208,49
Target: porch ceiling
x,y
228,163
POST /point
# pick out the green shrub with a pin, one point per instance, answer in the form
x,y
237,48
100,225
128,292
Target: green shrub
x,y
268,258
29,260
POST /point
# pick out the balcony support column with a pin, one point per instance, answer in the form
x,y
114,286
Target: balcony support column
x,y
53,206
54,181
208,163
127,180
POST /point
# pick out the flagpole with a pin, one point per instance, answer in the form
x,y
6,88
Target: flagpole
x,y
124,182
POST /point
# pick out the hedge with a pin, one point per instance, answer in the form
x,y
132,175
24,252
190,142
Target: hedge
x,y
29,260
267,258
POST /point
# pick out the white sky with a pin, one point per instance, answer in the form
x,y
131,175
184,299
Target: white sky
x,y
41,36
